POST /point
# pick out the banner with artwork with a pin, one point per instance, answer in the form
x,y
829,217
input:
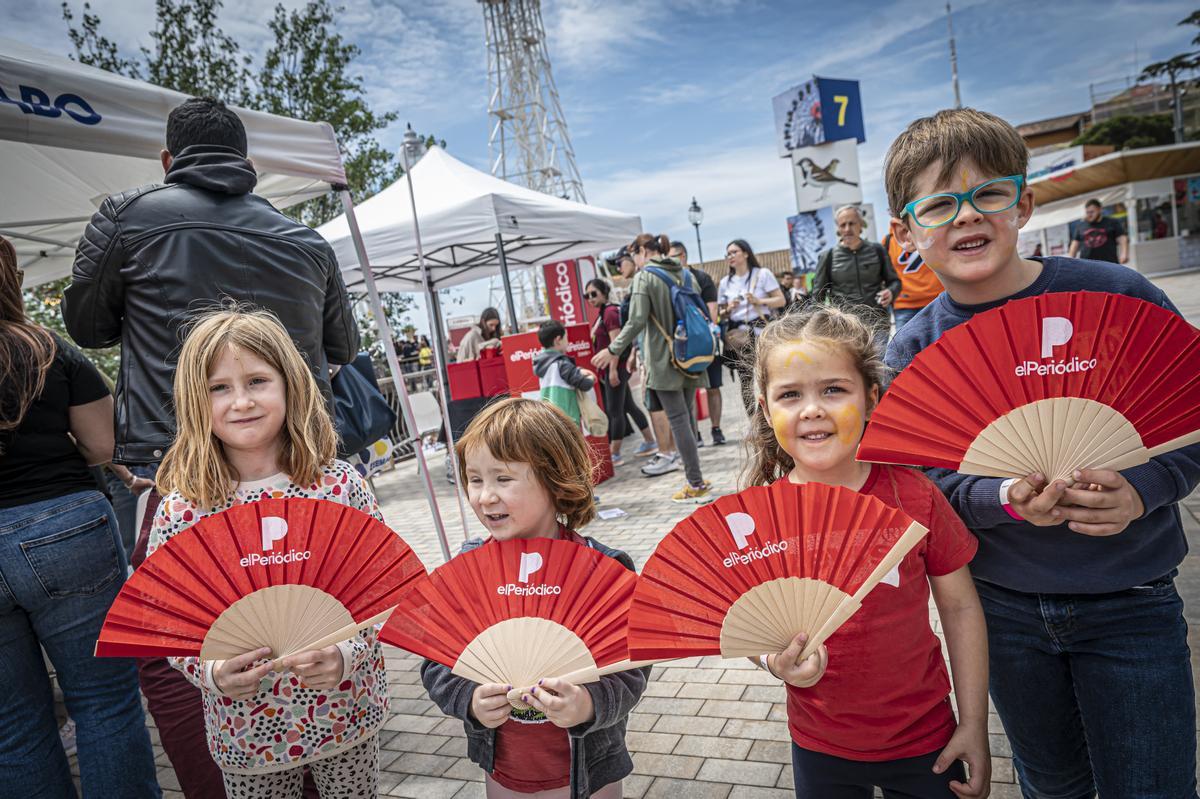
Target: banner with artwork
x,y
826,175
817,111
810,233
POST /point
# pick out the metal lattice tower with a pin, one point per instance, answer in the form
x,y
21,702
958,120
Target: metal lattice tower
x,y
528,143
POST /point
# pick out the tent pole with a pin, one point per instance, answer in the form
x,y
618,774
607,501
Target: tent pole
x,y
439,344
514,325
389,348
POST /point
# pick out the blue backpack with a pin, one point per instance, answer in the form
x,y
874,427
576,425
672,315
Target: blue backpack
x,y
694,344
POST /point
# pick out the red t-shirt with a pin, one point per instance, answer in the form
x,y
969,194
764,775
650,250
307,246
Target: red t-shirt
x,y
532,753
885,694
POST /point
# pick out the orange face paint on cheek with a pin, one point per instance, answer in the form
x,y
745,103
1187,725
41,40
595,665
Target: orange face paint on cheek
x,y
779,423
849,423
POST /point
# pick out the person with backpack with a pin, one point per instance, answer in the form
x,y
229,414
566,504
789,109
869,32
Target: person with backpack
x,y
748,298
678,346
858,274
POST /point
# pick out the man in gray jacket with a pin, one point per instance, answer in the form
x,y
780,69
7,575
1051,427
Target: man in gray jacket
x,y
858,274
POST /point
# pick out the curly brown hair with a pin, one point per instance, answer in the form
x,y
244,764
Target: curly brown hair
x,y
519,430
768,460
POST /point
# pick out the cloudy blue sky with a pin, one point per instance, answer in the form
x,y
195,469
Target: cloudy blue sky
x,y
666,99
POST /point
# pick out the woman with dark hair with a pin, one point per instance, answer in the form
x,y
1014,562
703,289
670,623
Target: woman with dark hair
x,y
747,298
618,400
650,311
61,566
482,336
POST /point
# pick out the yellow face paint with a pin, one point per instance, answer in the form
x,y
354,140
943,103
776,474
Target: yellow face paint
x,y
796,353
849,423
964,179
779,423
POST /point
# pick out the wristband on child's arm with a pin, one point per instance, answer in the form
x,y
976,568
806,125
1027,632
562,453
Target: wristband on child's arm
x,y
766,664
1004,503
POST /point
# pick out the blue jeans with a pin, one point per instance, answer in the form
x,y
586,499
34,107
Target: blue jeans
x,y
1095,691
61,566
901,316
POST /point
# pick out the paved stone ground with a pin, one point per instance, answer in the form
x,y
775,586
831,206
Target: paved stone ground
x,y
707,727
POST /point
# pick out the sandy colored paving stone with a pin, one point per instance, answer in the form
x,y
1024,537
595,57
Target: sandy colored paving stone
x,y
739,772
464,769
635,786
403,722
749,677
641,722
660,688
713,746
679,789
765,730
711,691
765,693
421,787
472,790
455,747
672,706
771,751
756,792
690,675
725,709
660,742
426,765
687,725
412,742
658,765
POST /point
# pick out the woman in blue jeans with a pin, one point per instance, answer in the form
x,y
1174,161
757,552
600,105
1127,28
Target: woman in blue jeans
x,y
61,565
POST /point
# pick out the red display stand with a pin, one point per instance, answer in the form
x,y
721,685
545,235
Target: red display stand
x,y
464,380
493,381
601,455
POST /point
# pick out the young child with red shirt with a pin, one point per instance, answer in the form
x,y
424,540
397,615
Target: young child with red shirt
x,y
871,708
528,475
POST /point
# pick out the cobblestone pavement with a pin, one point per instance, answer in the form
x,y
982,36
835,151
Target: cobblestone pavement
x,y
707,727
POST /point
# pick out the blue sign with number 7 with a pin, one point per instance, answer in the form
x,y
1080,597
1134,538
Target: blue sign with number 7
x,y
841,110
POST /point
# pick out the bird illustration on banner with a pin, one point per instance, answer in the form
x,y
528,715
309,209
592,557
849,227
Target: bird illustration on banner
x,y
821,177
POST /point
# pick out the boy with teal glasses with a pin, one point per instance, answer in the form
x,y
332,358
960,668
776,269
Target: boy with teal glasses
x,y
1090,669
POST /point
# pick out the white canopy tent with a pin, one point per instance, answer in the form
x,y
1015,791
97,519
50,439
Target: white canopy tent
x,y
444,223
71,135
462,213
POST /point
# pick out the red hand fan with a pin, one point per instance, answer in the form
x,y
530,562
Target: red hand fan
x,y
292,574
1048,384
512,612
746,574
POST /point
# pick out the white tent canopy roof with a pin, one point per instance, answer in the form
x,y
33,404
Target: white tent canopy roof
x,y
460,212
70,135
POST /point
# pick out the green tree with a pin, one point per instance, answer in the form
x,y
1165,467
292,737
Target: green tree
x,y
1174,68
1128,131
191,54
94,49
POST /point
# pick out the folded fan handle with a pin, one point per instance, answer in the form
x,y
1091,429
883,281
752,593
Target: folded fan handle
x,y
342,634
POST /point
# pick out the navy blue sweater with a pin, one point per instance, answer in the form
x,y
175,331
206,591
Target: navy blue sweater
x,y
1053,560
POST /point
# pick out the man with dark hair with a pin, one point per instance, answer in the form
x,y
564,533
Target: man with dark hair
x,y
1099,237
150,259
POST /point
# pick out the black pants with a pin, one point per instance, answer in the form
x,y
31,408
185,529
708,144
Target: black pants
x,y
618,402
820,776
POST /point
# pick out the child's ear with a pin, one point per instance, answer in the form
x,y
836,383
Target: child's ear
x,y
872,399
902,235
1025,207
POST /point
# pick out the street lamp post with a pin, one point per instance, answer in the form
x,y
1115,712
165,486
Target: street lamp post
x,y
696,216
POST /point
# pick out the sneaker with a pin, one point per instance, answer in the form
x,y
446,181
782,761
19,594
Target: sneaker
x,y
694,495
661,464
646,448
66,734
718,437
617,460
699,441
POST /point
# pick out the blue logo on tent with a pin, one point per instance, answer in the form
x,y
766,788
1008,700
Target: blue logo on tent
x,y
35,101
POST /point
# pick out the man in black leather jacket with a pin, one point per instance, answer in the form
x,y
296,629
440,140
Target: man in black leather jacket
x,y
155,256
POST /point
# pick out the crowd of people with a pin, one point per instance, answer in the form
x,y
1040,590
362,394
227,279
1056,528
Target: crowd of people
x,y
1056,598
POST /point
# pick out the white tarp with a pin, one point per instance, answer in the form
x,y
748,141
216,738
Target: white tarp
x,y
460,211
70,135
1064,212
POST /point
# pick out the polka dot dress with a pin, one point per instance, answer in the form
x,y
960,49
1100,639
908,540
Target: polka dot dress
x,y
287,724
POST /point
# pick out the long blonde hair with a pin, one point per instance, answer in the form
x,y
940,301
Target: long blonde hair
x,y
768,460
196,465
519,430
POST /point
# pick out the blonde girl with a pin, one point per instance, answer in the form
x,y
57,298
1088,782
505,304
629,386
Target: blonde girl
x,y
871,708
253,425
528,475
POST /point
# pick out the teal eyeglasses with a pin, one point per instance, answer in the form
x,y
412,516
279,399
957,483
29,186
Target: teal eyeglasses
x,y
991,197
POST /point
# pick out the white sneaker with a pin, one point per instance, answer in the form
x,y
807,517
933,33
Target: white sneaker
x,y
661,464
66,734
